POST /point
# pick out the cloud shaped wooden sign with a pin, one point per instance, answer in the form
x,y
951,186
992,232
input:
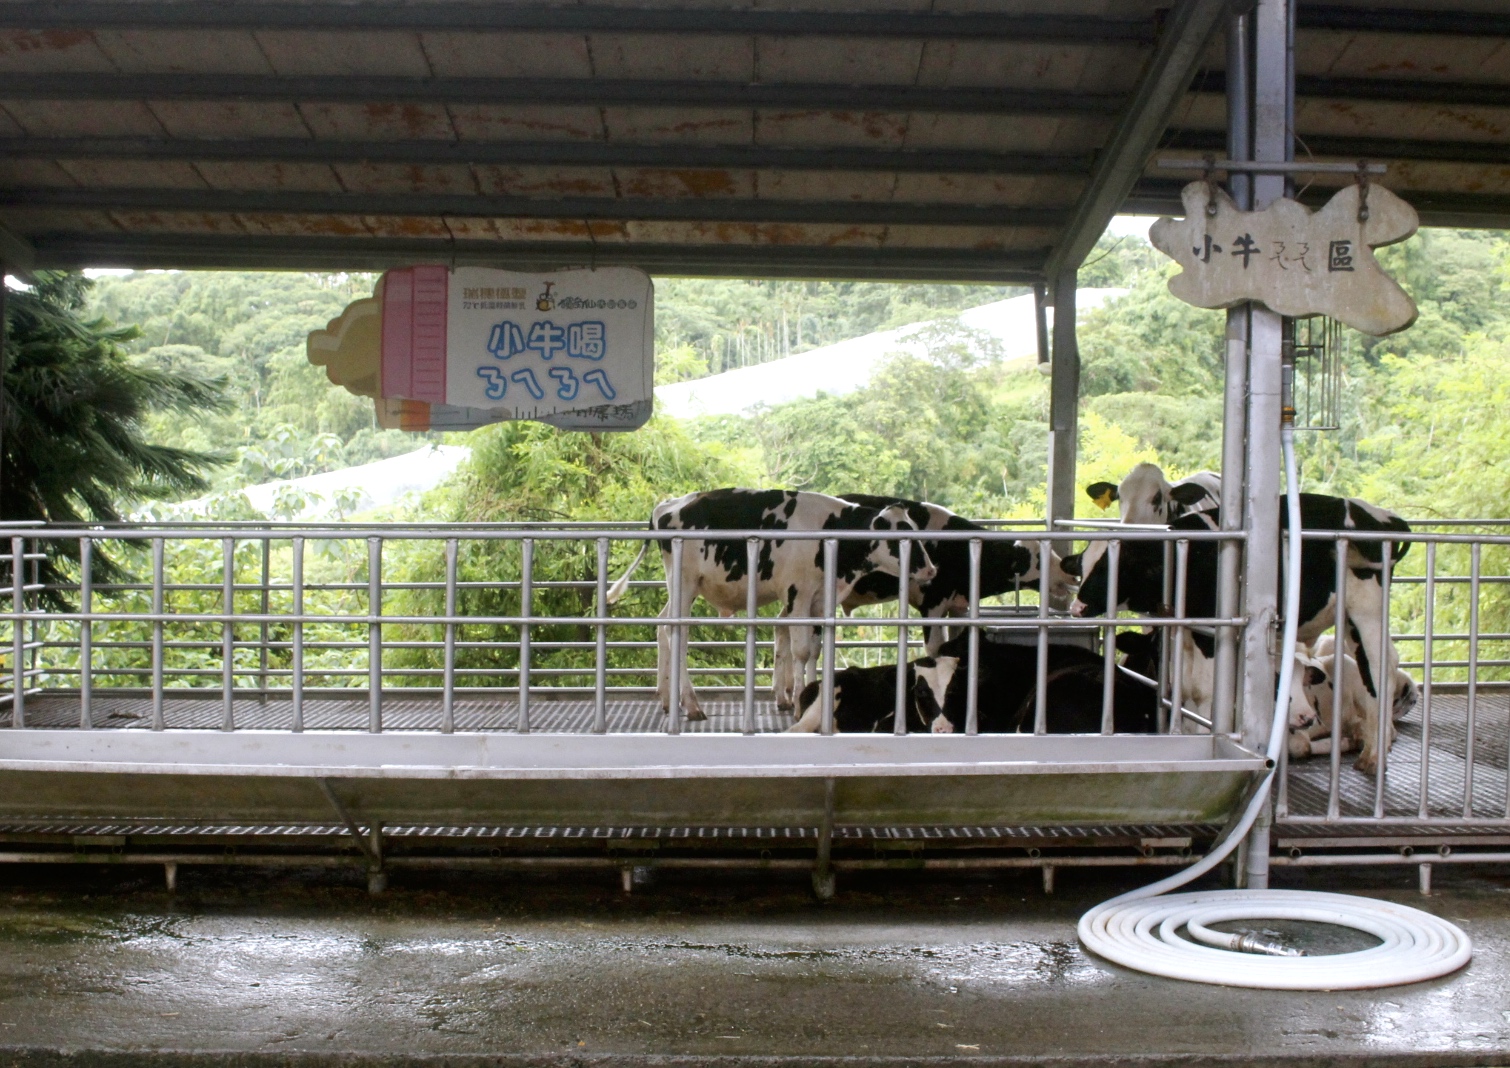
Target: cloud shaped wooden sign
x,y
1295,261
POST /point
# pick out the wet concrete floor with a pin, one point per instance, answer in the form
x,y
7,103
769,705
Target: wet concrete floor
x,y
252,967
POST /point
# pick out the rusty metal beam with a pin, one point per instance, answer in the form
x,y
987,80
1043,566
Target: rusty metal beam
x,y
1382,90
469,15
1375,19
1373,148
1182,42
420,205
542,153
187,251
589,92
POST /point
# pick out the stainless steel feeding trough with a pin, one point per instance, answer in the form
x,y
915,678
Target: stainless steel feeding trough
x,y
255,776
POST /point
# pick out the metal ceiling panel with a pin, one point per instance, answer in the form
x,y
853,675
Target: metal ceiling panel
x,y
508,55
677,184
720,126
193,119
838,60
177,222
275,224
406,226
550,182
133,174
525,122
839,128
703,58
825,185
397,178
1006,133
61,118
1029,66
1437,121
34,172
51,51
1376,55
388,54
314,176
9,127
218,51
982,189
378,119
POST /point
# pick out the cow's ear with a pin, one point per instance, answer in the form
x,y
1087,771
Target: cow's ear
x,y
1103,493
1071,565
1188,493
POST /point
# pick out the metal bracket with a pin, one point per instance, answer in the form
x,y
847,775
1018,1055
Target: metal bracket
x,y
1238,166
371,850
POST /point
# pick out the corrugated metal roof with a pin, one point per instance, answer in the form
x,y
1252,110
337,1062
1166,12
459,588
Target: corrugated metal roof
x,y
878,138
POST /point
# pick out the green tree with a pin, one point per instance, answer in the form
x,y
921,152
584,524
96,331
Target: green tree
x,y
75,411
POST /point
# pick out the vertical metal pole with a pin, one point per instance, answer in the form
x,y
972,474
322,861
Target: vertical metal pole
x,y
86,633
158,722
448,680
972,679
904,561
1384,679
526,609
1272,142
264,600
1469,750
18,631
678,646
830,610
1427,652
297,550
752,607
600,662
1334,772
1041,321
228,634
1177,684
1064,402
1041,665
1166,720
374,635
1109,635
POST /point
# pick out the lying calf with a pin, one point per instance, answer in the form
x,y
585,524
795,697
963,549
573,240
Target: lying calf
x,y
865,698
1311,696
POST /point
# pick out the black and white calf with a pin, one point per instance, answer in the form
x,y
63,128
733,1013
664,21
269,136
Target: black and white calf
x,y
1006,692
1146,496
788,571
1140,586
1004,566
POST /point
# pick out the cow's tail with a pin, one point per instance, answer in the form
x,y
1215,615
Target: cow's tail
x,y
618,589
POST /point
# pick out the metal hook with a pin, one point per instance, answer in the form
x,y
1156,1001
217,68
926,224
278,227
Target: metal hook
x,y
1211,207
1362,180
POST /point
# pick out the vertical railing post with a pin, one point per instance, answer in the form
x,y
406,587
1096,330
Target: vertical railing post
x,y
86,633
526,609
297,581
972,668
600,663
228,634
1041,665
158,722
904,561
1384,677
18,632
1109,638
1334,770
1177,638
830,610
374,635
752,609
264,602
1428,650
677,644
1170,721
1469,752
448,682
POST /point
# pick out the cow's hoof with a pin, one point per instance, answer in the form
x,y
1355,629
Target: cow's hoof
x,y
695,715
1367,763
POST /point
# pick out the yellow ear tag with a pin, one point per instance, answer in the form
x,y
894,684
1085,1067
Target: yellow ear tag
x,y
1104,501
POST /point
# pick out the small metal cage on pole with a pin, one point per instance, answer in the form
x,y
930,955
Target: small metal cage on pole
x,y
1319,347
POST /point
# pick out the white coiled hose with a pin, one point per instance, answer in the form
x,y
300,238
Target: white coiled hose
x,y
1140,930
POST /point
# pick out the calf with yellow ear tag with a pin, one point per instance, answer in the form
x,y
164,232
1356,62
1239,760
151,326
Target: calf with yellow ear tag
x,y
1103,493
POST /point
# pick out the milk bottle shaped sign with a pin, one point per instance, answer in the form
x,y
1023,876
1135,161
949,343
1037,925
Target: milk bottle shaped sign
x,y
463,347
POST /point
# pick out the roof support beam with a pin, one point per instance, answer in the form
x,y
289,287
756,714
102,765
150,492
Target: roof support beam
x,y
1182,42
1376,90
1153,196
541,153
416,205
1375,19
1373,148
360,253
470,15
586,92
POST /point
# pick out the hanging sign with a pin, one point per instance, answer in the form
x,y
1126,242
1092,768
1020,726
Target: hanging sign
x,y
1295,261
452,349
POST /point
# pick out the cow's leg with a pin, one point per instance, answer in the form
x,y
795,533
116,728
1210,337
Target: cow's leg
x,y
1361,641
803,658
690,706
781,667
934,637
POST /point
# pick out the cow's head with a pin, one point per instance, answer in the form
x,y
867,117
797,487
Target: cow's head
x,y
1028,553
1146,496
1140,579
885,556
930,692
